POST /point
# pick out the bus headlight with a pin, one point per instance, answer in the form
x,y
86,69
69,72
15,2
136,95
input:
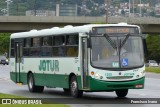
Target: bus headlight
x,y
97,75
141,74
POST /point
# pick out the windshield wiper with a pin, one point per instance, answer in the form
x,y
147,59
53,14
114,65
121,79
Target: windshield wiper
x,y
110,40
113,44
124,41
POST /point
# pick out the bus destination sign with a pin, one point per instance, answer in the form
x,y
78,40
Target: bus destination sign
x,y
112,30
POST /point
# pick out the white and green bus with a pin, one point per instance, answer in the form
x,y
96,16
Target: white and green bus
x,y
89,58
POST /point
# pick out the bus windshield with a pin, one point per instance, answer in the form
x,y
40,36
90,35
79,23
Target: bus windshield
x,y
116,51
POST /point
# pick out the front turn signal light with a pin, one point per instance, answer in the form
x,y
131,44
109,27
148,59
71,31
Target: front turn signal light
x,y
92,73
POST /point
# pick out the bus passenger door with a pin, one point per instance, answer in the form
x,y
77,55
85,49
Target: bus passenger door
x,y
18,60
84,64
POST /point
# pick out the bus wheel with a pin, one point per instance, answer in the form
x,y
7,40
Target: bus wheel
x,y
122,92
31,84
74,88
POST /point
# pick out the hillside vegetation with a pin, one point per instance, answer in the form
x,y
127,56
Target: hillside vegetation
x,y
96,7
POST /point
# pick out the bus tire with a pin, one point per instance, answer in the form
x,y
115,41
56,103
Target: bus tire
x,y
74,88
31,84
121,93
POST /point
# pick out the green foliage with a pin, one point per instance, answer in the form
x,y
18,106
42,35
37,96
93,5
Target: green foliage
x,y
9,96
153,69
4,42
153,47
2,6
19,7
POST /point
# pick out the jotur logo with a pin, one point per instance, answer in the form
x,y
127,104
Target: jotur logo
x,y
49,65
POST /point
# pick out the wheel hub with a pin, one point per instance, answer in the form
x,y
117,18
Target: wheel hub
x,y
30,82
74,87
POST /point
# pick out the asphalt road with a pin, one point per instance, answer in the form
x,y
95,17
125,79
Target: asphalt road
x,y
90,99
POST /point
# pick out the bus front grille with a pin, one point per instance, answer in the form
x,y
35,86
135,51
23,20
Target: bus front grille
x,y
119,77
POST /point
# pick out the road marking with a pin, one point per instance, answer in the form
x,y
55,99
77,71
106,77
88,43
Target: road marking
x,y
143,94
5,79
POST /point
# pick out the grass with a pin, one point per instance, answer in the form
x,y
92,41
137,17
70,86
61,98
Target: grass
x,y
153,69
26,105
9,96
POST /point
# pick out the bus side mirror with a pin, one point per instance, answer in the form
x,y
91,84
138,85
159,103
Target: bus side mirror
x,y
89,42
89,39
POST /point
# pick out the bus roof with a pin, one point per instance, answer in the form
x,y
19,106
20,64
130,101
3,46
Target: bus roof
x,y
65,30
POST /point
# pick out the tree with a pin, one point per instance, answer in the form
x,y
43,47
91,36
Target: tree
x,y
153,47
3,7
4,42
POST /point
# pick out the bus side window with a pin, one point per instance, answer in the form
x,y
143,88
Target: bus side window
x,y
59,40
46,51
12,43
35,46
36,42
12,48
46,41
59,46
12,52
58,51
55,51
71,40
72,51
72,46
26,46
25,51
27,42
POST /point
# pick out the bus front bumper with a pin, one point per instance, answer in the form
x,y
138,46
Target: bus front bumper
x,y
98,85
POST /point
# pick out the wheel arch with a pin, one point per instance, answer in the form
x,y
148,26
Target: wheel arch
x,y
29,72
75,92
78,81
33,87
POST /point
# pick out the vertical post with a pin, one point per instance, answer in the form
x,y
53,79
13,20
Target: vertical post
x,y
76,12
129,7
7,7
35,11
140,8
17,7
107,6
57,9
8,2
133,8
